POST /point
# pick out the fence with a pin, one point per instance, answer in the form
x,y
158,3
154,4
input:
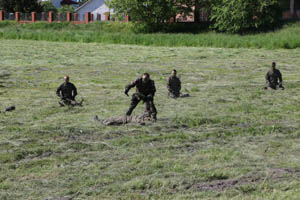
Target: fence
x,y
54,17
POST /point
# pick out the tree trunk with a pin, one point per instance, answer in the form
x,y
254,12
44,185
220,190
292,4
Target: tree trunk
x,y
292,7
197,11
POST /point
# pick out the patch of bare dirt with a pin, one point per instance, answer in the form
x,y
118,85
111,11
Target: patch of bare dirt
x,y
274,175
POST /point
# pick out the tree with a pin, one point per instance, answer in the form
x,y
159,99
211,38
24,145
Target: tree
x,y
149,11
240,16
201,5
24,6
292,7
48,6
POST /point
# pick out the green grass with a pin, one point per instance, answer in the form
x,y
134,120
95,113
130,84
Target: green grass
x,y
229,140
128,33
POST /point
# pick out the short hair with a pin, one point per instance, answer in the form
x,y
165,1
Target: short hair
x,y
174,70
146,74
273,63
66,76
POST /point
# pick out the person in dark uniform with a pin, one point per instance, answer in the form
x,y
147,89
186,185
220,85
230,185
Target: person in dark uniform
x,y
145,91
67,93
274,78
174,86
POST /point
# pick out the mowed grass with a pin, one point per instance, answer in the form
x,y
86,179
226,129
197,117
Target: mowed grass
x,y
229,140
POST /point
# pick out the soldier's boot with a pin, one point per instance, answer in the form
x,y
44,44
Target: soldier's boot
x,y
153,111
154,117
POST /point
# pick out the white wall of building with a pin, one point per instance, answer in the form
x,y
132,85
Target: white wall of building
x,y
95,7
56,3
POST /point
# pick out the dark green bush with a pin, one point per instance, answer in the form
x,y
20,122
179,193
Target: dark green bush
x,y
242,16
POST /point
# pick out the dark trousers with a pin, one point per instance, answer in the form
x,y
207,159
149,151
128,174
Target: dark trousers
x,y
149,105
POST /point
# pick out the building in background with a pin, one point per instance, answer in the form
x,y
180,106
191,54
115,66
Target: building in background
x,y
95,7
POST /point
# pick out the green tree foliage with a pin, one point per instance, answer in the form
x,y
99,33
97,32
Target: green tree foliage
x,y
240,16
23,6
149,11
48,6
66,8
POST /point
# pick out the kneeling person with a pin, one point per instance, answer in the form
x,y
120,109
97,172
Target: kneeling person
x,y
67,93
274,78
174,86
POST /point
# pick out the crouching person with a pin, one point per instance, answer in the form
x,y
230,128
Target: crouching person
x,y
145,91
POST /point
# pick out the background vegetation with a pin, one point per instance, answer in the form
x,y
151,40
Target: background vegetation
x,y
244,16
230,140
129,33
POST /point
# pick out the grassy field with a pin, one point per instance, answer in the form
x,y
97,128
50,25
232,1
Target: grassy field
x,y
229,140
126,33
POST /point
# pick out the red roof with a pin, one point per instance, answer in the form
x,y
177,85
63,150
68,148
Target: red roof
x,y
67,2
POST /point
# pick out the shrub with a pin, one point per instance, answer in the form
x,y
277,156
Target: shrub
x,y
240,16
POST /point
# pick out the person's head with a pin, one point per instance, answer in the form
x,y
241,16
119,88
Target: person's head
x,y
145,77
273,65
66,78
174,72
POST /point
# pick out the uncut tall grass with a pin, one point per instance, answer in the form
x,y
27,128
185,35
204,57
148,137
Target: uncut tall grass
x,y
125,33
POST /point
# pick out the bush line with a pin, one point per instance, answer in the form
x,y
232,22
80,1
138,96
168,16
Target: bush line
x,y
126,33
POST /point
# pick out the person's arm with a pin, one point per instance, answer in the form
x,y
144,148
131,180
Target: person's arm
x,y
267,78
280,78
169,84
129,86
74,92
153,89
179,84
58,91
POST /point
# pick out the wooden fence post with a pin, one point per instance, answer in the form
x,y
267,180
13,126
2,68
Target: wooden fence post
x,y
50,19
17,16
1,15
75,17
69,17
107,17
33,16
87,17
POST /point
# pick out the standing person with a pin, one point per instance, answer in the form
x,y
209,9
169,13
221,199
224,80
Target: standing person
x,y
274,78
145,91
67,93
174,86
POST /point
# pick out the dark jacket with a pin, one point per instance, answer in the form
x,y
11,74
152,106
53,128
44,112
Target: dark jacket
x,y
67,91
142,88
273,76
174,85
